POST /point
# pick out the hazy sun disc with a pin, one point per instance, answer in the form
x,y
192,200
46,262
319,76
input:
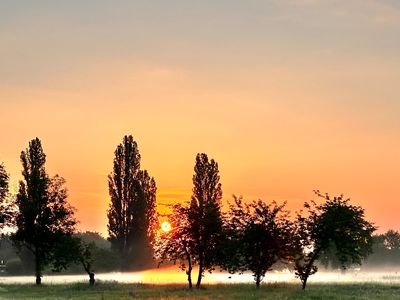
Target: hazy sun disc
x,y
166,226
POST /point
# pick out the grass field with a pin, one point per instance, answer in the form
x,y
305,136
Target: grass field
x,y
233,291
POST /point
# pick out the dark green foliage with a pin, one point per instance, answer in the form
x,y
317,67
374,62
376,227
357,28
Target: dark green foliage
x,y
94,237
73,250
333,223
132,217
177,245
204,214
385,252
257,236
101,257
3,183
16,264
391,240
43,215
6,210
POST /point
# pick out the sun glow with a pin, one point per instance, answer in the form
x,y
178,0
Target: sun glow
x,y
166,226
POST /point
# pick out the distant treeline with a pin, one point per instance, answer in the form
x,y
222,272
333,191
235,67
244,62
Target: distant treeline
x,y
252,236
22,263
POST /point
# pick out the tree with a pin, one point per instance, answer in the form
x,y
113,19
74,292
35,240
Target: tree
x,y
177,244
205,219
72,249
43,215
392,240
3,183
132,217
337,223
257,237
4,211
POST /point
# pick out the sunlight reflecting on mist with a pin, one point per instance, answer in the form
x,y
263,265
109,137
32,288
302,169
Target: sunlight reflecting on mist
x,y
173,275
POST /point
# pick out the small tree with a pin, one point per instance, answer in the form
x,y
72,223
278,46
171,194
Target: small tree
x,y
177,244
337,223
205,219
43,215
257,237
72,249
392,240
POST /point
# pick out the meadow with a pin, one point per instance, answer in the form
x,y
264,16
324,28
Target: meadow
x,y
113,290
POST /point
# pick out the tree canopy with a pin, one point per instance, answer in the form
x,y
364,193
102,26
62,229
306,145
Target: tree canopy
x,y
43,215
205,219
258,235
335,222
4,209
177,245
132,217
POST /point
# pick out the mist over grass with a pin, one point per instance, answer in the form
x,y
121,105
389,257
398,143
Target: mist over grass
x,y
171,275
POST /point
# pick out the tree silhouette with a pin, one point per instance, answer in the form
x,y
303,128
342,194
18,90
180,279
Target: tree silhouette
x,y
205,220
132,218
177,245
3,183
335,222
43,215
392,240
72,249
4,208
257,237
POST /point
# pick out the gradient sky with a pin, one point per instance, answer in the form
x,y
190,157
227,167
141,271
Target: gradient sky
x,y
287,96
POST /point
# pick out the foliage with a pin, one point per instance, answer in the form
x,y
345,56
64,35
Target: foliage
x,y
43,215
177,245
392,240
132,217
204,214
385,251
73,250
94,237
3,183
6,208
257,237
335,222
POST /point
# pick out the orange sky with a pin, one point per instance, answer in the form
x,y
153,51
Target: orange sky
x,y
287,96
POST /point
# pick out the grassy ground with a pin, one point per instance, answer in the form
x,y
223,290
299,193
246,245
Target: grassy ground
x,y
231,291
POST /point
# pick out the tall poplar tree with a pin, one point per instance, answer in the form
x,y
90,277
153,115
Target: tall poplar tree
x,y
3,183
4,211
132,212
43,216
205,218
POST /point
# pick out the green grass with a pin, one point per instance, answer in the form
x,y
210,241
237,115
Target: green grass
x,y
227,291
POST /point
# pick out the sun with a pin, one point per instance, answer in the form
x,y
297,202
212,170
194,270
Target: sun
x,y
166,226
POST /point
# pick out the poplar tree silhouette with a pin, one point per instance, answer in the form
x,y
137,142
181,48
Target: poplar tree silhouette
x,y
132,217
3,183
204,215
4,212
43,216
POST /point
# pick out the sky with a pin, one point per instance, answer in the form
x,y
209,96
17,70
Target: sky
x,y
287,96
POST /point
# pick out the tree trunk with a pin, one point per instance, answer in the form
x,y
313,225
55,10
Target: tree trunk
x,y
91,279
189,271
38,269
258,280
309,267
304,283
200,276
